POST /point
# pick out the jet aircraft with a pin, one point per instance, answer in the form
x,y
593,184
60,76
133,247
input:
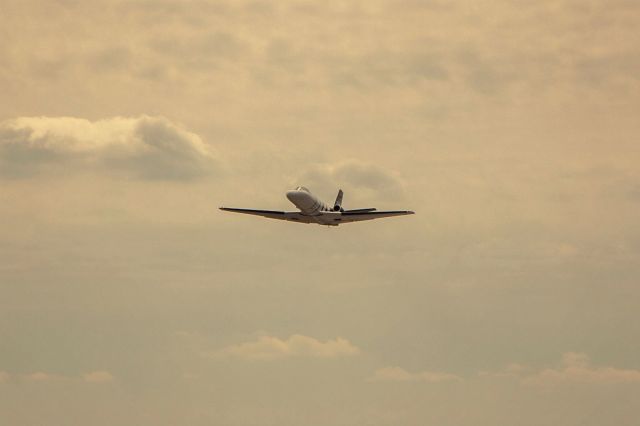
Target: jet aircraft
x,y
312,210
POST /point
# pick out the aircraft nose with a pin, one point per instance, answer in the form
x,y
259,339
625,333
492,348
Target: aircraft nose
x,y
293,195
301,199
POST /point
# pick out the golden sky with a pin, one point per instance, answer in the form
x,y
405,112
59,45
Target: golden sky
x,y
511,297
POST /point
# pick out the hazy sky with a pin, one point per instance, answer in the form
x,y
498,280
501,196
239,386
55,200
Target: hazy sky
x,y
511,128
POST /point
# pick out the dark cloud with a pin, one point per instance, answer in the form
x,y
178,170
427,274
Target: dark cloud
x,y
111,59
367,181
161,12
483,74
144,147
597,70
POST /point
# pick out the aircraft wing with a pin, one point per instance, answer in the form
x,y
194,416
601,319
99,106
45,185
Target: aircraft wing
x,y
357,216
272,214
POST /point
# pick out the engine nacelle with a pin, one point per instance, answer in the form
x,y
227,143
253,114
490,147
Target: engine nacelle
x,y
337,205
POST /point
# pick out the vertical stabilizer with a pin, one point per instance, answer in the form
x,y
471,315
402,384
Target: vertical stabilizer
x,y
337,206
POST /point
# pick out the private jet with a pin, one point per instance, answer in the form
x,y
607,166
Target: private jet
x,y
312,210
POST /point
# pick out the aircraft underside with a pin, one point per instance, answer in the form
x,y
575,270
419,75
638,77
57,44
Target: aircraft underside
x,y
312,210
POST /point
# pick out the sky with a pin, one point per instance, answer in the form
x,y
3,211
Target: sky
x,y
511,128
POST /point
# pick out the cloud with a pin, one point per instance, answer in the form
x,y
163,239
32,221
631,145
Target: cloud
x,y
369,180
143,147
397,374
268,348
99,376
575,368
202,52
111,59
511,370
40,376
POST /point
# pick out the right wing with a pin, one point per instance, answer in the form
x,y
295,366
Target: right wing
x,y
273,214
371,209
357,216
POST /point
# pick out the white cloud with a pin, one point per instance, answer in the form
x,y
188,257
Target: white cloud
x,y
99,376
267,348
144,147
41,376
577,368
397,374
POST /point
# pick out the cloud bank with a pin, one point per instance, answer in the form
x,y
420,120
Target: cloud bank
x,y
268,348
369,179
97,376
575,368
143,147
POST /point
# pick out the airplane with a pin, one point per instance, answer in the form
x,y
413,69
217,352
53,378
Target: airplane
x,y
312,210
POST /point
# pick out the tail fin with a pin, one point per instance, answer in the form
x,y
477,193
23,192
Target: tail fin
x,y
337,206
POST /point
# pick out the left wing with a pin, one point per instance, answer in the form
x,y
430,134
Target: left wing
x,y
273,214
357,216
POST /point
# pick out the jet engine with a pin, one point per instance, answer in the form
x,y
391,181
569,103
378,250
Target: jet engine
x,y
337,206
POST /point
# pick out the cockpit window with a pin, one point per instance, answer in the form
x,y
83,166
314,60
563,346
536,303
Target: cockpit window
x,y
302,188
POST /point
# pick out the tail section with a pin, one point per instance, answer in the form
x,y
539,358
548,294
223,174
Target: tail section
x,y
337,206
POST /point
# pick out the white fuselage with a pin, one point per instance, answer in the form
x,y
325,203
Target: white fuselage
x,y
310,205
312,210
